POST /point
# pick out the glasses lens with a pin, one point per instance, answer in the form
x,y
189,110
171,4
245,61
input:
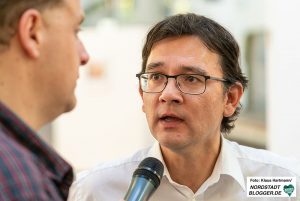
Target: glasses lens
x,y
152,82
191,84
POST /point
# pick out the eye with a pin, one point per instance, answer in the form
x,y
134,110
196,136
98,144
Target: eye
x,y
191,78
156,77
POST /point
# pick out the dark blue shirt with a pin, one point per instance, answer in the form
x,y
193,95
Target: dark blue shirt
x,y
30,170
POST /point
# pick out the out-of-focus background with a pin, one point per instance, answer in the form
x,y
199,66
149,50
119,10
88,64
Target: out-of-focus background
x,y
108,122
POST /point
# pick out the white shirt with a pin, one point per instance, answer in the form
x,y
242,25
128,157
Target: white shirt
x,y
110,181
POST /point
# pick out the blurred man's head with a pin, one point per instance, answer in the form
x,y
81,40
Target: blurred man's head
x,y
11,12
39,47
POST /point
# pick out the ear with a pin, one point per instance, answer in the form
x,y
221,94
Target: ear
x,y
142,96
29,32
232,99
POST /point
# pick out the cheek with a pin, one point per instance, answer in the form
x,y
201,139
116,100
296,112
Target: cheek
x,y
210,108
149,106
217,110
143,107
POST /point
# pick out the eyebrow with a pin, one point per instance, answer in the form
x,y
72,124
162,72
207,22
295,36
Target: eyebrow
x,y
194,69
154,65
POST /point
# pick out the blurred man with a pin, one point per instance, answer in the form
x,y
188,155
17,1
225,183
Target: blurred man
x,y
40,53
191,84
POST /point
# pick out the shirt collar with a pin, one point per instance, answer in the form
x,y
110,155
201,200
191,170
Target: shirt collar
x,y
226,164
155,152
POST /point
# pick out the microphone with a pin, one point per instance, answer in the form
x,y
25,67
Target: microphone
x,y
145,180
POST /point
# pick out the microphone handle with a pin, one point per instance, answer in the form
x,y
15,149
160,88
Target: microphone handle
x,y
140,189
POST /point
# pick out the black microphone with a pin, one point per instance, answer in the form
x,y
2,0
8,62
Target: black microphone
x,y
145,180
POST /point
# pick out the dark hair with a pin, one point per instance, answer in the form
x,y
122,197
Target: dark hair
x,y
12,10
214,36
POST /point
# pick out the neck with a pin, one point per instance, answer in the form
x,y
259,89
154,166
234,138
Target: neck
x,y
24,110
16,94
192,168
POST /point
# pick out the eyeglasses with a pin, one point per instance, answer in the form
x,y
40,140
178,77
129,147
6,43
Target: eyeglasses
x,y
193,84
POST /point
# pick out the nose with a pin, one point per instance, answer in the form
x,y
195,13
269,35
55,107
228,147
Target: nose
x,y
84,56
171,93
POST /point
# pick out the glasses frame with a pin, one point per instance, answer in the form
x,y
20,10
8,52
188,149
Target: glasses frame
x,y
207,77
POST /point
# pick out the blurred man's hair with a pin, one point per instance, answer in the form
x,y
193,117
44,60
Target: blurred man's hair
x,y
214,36
12,10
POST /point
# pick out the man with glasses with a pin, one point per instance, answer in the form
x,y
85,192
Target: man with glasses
x,y
191,84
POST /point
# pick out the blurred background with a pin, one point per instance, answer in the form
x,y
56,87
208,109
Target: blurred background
x,y
108,122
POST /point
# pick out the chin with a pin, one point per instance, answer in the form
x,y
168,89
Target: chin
x,y
71,105
170,143
174,147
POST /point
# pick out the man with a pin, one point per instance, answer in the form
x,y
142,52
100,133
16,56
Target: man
x,y
40,53
191,84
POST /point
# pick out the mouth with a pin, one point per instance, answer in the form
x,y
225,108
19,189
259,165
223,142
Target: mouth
x,y
170,118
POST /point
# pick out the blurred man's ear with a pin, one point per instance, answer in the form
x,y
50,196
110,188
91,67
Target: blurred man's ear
x,y
29,32
232,99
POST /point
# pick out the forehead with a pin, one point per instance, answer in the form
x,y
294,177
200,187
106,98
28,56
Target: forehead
x,y
180,53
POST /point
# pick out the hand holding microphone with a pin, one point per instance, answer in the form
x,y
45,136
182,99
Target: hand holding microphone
x,y
145,180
